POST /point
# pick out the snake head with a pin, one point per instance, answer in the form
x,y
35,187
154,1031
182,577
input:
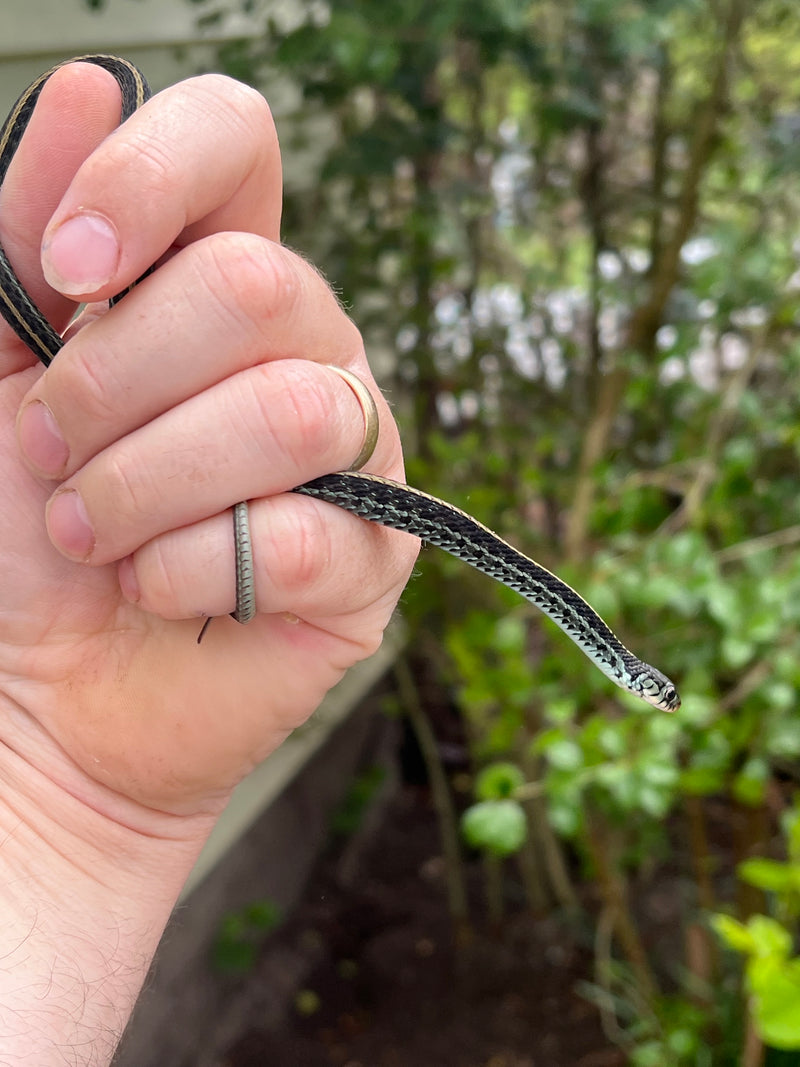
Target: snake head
x,y
658,690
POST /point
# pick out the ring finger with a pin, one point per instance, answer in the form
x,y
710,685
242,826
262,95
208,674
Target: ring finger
x,y
310,562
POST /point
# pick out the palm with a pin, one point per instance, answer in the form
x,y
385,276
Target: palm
x,y
124,692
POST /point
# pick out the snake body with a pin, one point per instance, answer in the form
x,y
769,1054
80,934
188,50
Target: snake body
x,y
447,527
375,499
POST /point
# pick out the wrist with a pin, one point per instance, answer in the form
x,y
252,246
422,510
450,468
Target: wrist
x,y
87,883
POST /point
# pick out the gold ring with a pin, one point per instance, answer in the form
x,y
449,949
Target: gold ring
x,y
371,421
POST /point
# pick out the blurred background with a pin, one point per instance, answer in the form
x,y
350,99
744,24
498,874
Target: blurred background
x,y
568,230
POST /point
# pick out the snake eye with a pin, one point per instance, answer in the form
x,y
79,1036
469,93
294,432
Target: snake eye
x,y
670,699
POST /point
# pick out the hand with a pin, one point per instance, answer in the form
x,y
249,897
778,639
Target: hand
x,y
203,387
120,737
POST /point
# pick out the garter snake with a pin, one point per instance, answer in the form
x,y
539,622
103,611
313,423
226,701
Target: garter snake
x,y
373,498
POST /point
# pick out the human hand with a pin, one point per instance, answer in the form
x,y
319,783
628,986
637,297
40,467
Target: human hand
x,y
203,387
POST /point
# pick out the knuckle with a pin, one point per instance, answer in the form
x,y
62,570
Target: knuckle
x,y
369,642
127,486
87,383
150,158
248,278
303,547
229,102
158,580
291,418
311,407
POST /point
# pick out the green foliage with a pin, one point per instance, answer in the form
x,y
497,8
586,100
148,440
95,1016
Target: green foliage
x,y
574,227
361,791
241,935
495,826
772,968
772,975
498,781
497,823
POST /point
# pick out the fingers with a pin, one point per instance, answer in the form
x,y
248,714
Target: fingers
x,y
207,384
257,433
189,396
220,307
77,108
202,157
310,561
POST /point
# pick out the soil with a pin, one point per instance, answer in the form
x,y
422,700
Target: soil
x,y
386,986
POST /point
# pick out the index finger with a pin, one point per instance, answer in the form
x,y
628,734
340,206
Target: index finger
x,y
200,157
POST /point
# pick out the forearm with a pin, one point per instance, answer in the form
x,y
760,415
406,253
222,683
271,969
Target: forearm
x,y
87,883
70,975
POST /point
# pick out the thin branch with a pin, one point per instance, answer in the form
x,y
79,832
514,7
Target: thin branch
x,y
647,317
445,809
789,535
602,848
719,429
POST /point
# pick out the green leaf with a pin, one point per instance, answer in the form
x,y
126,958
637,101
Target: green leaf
x,y
770,938
498,781
722,602
736,652
565,755
769,875
496,826
733,933
702,781
750,784
783,736
775,988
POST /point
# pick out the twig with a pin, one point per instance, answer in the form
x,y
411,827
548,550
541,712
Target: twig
x,y
753,1048
552,853
603,939
440,792
614,889
717,434
789,535
750,681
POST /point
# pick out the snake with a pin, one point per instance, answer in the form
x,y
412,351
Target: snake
x,y
369,496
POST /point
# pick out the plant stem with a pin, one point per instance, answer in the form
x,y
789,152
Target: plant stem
x,y
493,872
700,852
753,1047
614,889
440,792
543,838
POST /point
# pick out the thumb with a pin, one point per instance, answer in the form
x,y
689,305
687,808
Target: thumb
x,y
78,106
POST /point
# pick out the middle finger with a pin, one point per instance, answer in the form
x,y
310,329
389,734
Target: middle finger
x,y
221,306
255,434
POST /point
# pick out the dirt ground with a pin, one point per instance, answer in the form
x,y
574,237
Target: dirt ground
x,y
388,989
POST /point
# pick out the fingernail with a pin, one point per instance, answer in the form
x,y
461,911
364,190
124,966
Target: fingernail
x,y
68,525
126,574
81,255
41,440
